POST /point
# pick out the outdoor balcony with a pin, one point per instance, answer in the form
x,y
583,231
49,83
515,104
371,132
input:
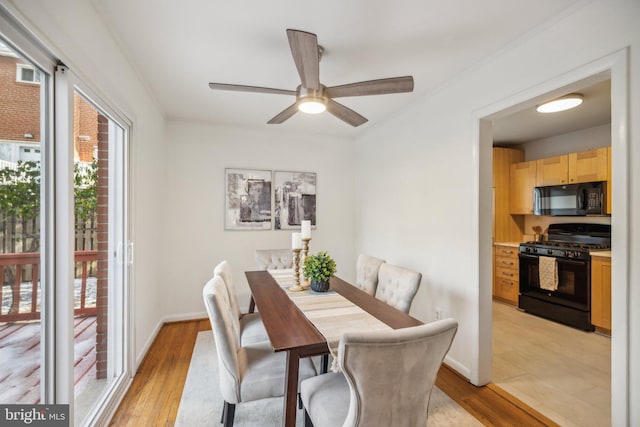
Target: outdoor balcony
x,y
20,325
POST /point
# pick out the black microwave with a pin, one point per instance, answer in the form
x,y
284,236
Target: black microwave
x,y
569,200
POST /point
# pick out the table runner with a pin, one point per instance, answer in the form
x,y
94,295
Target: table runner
x,y
331,313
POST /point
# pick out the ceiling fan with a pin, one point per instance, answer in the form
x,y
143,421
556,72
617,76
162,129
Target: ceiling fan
x,y
314,97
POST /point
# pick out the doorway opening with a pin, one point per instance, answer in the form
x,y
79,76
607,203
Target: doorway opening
x,y
611,68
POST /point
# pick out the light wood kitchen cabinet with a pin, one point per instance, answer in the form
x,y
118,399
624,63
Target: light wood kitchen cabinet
x,y
506,283
552,171
601,293
588,166
573,168
523,180
506,227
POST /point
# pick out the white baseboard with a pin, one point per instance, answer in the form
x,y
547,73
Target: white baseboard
x,y
183,317
156,330
457,366
147,345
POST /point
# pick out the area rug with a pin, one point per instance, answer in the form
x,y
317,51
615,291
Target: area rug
x,y
201,402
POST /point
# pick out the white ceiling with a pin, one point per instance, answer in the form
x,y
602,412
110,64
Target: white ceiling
x,y
529,125
178,47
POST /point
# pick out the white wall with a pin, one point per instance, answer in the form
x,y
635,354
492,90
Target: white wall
x,y
582,140
418,174
194,238
73,31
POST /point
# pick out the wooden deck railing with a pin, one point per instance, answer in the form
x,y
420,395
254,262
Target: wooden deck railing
x,y
21,260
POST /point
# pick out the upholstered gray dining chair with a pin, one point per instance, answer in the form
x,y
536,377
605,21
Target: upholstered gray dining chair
x,y
274,259
397,286
249,326
386,379
367,268
247,372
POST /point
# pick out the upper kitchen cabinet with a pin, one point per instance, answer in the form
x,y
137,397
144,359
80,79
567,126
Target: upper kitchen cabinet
x,y
552,171
506,227
523,180
588,166
573,168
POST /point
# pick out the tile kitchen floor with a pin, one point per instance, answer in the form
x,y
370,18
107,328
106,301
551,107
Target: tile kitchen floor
x,y
562,372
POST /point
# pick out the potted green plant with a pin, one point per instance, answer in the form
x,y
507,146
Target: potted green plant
x,y
318,269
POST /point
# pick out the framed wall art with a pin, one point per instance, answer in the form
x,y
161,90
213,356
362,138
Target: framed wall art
x,y
294,199
247,199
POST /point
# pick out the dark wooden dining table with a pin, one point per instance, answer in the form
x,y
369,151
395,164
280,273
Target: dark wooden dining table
x,y
289,330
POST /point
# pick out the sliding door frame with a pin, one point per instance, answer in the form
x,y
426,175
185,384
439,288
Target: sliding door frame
x,y
120,249
26,46
57,223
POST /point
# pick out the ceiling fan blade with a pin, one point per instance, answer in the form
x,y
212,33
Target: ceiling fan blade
x,y
372,87
304,48
284,114
257,89
345,114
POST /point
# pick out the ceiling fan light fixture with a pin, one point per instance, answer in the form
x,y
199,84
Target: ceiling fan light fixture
x,y
563,103
312,97
312,105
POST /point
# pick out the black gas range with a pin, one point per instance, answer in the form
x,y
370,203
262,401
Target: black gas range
x,y
562,249
568,246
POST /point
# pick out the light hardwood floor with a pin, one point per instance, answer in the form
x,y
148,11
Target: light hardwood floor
x,y
563,372
154,396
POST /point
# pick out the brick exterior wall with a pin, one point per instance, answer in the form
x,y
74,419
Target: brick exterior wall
x,y
19,104
20,112
85,125
102,297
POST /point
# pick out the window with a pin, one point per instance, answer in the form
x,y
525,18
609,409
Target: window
x,y
29,154
27,74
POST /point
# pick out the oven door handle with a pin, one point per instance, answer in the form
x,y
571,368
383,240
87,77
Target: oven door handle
x,y
559,260
574,262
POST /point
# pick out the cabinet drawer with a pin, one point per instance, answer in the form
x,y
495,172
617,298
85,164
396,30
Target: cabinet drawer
x,y
506,251
507,289
507,262
507,274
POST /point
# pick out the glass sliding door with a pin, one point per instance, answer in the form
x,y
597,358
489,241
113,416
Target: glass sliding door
x,y
23,133
64,321
99,277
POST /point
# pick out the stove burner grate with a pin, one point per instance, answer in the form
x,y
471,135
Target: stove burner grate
x,y
569,245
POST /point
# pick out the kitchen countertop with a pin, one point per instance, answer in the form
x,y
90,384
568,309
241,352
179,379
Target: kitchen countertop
x,y
511,244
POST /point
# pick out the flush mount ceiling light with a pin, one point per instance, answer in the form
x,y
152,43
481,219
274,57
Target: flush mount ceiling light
x,y
560,104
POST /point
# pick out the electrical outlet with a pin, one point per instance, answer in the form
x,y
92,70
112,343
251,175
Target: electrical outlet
x,y
438,313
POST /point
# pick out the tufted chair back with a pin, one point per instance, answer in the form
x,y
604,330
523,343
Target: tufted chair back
x,y
397,286
391,373
224,270
367,269
274,259
216,300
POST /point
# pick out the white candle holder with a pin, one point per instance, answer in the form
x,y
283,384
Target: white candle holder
x,y
296,269
305,283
